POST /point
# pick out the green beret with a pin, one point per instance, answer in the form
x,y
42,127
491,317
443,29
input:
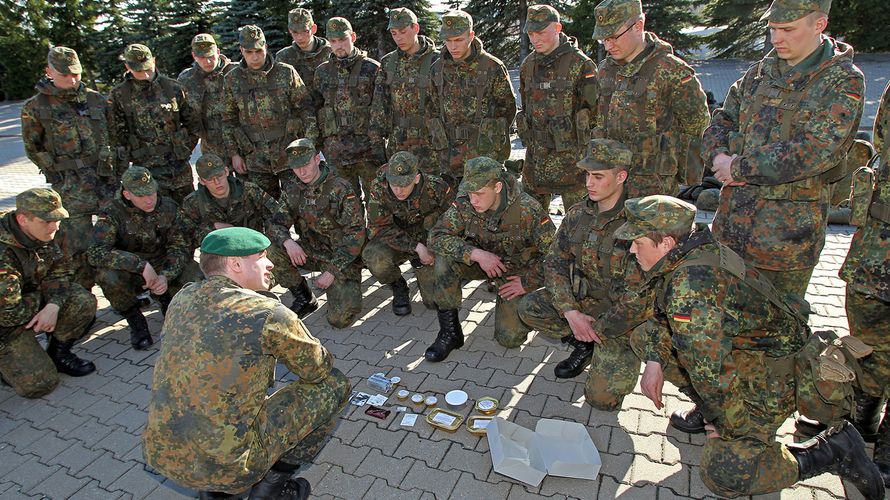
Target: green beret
x,y
539,17
138,57
401,18
209,165
234,242
611,15
479,171
402,169
655,214
605,154
41,202
300,152
138,181
455,23
64,60
787,11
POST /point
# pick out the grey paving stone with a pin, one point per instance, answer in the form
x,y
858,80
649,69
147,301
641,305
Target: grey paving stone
x,y
89,432
429,479
383,491
16,492
59,485
119,442
136,481
430,452
378,465
10,459
105,409
131,418
76,457
469,487
48,446
30,473
92,491
340,484
23,437
106,469
347,457
467,460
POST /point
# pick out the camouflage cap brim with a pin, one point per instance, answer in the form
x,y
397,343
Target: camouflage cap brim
x,y
146,65
204,49
44,203
788,11
630,231
143,189
400,180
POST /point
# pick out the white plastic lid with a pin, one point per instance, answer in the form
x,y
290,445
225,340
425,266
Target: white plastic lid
x,y
456,397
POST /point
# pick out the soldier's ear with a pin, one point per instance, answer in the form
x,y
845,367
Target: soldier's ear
x,y
313,29
558,27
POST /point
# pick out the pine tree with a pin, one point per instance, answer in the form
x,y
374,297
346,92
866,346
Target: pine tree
x,y
184,20
861,23
499,25
743,34
23,31
369,21
108,41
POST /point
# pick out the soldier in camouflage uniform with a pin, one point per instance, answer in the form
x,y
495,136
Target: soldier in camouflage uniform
x,y
472,123
404,205
308,51
344,86
211,425
151,124
39,296
65,131
736,340
402,91
589,272
867,273
330,222
650,100
139,244
204,91
775,149
496,231
267,107
558,87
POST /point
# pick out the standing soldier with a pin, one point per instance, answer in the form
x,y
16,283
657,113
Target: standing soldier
x,y
330,221
401,113
475,123
204,91
867,273
345,88
557,84
649,99
39,296
494,230
404,205
152,125
138,244
308,51
267,106
65,131
784,127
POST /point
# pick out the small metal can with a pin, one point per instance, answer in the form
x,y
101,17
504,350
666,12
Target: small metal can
x,y
402,395
431,401
417,399
487,405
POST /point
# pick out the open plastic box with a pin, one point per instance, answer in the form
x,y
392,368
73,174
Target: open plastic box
x,y
556,447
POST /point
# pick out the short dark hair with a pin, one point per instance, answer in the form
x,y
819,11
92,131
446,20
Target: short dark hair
x,y
212,264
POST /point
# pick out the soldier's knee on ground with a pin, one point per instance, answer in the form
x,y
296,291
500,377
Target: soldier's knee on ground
x,y
25,365
536,310
75,314
35,385
602,400
380,260
509,330
120,287
344,303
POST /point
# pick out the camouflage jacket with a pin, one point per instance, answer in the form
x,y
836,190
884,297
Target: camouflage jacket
x,y
126,238
707,315
559,93
785,141
266,109
654,105
588,270
246,206
32,274
471,124
306,62
401,106
205,93
867,268
328,217
151,123
66,135
345,89
211,378
403,224
519,232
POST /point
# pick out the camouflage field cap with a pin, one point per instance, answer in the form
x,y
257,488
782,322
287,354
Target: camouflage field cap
x,y
338,27
479,171
42,202
611,15
455,23
786,11
299,152
401,18
299,19
539,17
605,154
655,214
402,169
234,242
64,60
209,166
139,182
204,45
138,57
251,37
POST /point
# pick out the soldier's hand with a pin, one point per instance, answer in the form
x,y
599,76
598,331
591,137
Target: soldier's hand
x,y
324,281
221,225
45,319
238,164
295,253
149,275
160,285
712,431
512,288
652,382
489,262
722,168
582,326
426,257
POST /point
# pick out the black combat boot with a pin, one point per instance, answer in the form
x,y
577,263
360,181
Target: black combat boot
x,y
140,337
577,361
304,302
805,427
66,361
279,484
840,450
868,416
882,450
690,421
217,495
450,337
401,301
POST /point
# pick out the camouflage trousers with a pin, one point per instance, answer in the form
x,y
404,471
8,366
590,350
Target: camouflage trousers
x,y
790,282
74,238
509,330
383,262
869,319
614,367
208,147
359,174
175,179
24,364
344,294
547,172
640,185
122,287
284,273
267,167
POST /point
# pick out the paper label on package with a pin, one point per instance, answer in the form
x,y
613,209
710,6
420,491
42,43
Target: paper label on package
x,y
409,419
481,424
377,400
443,419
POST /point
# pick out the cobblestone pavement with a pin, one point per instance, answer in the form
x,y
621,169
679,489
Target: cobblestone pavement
x,y
82,440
